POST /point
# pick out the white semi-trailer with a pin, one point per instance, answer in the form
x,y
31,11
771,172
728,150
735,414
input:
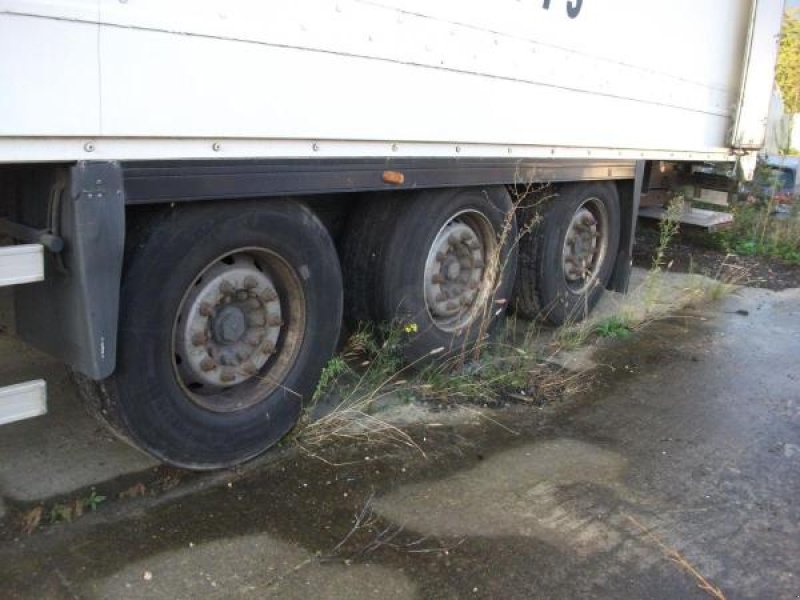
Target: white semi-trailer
x,y
197,189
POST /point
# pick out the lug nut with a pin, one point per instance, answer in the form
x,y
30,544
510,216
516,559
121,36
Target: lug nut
x,y
256,318
254,339
249,368
226,288
206,309
227,376
437,279
269,347
269,295
242,295
253,304
274,321
250,282
453,239
208,364
199,338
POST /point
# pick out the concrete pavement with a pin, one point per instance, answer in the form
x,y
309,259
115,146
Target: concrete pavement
x,y
685,448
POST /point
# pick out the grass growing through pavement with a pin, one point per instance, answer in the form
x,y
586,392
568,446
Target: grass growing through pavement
x,y
510,368
370,372
360,386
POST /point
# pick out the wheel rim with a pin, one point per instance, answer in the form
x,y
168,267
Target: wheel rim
x,y
238,330
456,281
585,245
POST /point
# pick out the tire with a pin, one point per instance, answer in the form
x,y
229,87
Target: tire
x,y
362,252
387,252
269,331
547,287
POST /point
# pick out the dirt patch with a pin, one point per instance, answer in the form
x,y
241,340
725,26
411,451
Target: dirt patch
x,y
692,251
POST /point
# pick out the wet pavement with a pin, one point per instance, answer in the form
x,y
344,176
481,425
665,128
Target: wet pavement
x,y
686,447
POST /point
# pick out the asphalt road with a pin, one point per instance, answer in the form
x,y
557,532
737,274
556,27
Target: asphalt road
x,y
678,468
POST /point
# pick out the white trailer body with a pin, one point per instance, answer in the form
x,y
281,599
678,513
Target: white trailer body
x,y
155,79
195,191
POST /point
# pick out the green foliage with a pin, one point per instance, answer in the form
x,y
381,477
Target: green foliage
x,y
93,500
375,353
572,336
614,326
756,231
668,228
335,368
60,513
787,72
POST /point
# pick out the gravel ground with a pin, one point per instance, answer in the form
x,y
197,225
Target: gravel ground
x,y
690,251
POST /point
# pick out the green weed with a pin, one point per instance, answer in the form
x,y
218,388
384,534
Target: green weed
x,y
615,326
756,231
93,500
335,368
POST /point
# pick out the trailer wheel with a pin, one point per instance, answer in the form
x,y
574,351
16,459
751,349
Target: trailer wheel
x,y
229,313
567,255
443,265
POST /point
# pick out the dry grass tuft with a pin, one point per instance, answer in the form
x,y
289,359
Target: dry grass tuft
x,y
677,558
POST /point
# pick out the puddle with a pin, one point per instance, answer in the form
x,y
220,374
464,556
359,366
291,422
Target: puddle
x,y
263,567
519,492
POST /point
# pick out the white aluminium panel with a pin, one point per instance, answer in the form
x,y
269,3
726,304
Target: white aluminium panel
x,y
758,75
21,264
23,401
285,93
147,78
48,76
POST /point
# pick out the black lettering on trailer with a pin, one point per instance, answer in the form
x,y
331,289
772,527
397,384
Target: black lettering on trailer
x,y
573,7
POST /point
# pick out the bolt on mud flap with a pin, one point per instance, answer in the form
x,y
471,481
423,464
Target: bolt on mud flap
x,y
72,314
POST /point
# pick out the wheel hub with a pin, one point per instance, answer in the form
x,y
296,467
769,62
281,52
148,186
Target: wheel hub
x,y
454,271
229,325
585,245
